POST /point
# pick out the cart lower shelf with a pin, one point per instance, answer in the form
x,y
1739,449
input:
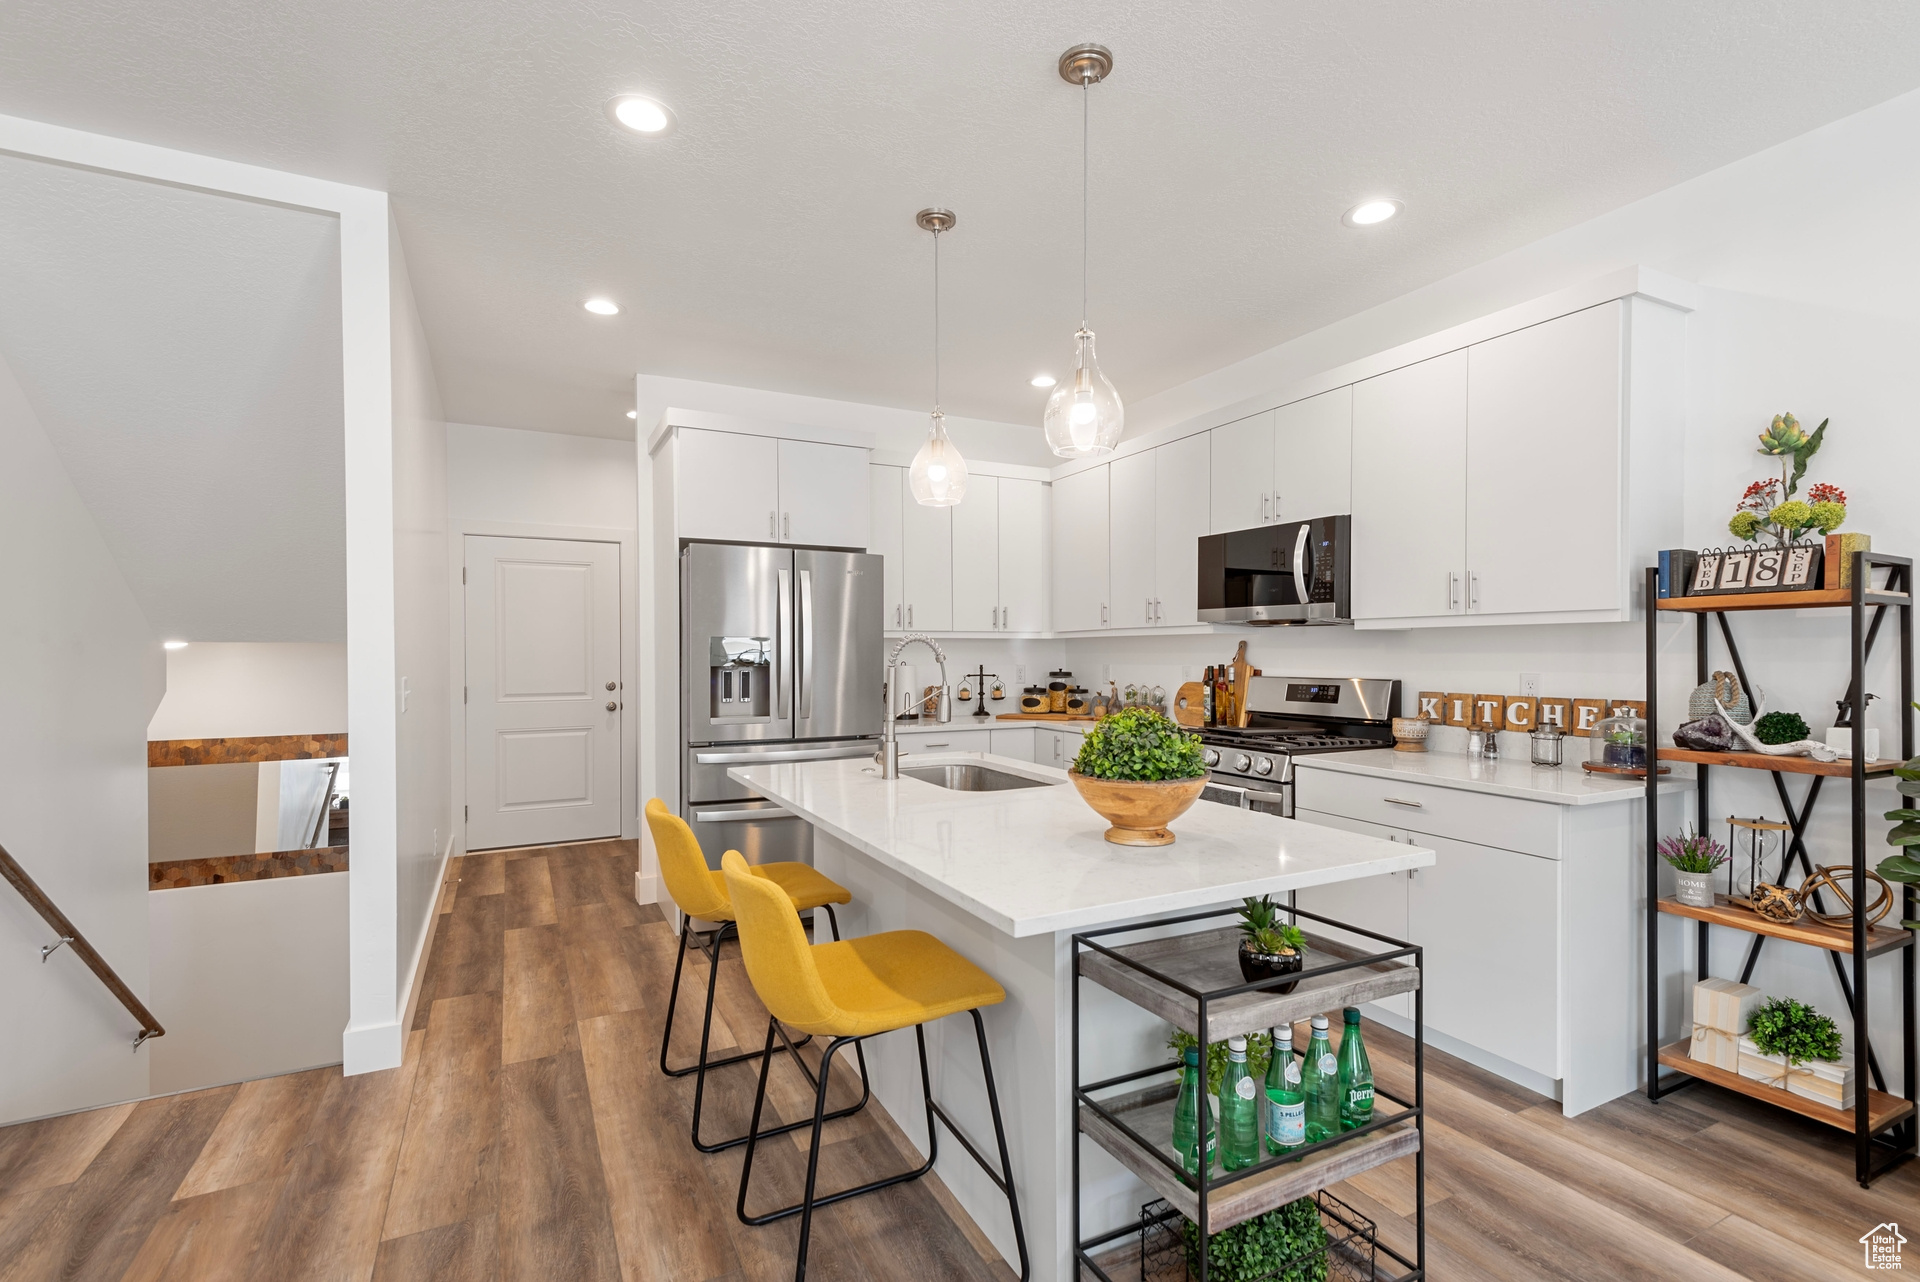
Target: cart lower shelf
x,y
1150,1112
1883,1110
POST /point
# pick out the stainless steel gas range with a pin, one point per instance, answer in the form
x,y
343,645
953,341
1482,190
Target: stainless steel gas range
x,y
1287,717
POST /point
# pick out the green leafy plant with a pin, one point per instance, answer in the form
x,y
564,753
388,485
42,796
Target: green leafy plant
x,y
1287,1244
1259,1054
1693,852
1782,1026
1260,923
1769,507
1904,868
1781,727
1139,745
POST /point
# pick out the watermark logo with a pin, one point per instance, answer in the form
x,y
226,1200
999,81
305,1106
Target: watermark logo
x,y
1882,1244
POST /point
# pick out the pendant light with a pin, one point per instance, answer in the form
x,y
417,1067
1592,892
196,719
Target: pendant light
x,y
1084,414
938,476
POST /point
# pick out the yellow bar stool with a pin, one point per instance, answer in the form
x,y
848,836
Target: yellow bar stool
x,y
851,990
700,892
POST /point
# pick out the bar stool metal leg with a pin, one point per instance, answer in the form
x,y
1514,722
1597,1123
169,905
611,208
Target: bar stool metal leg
x,y
713,960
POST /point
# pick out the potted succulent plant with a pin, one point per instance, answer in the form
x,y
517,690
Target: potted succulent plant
x,y
1139,771
1904,868
1269,946
1695,858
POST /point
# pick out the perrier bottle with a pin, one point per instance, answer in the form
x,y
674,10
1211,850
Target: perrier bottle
x,y
1356,1076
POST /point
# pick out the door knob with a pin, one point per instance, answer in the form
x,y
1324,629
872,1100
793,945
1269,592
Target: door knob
x,y
612,706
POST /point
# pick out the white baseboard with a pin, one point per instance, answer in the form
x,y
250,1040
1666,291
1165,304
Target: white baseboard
x,y
372,1048
646,890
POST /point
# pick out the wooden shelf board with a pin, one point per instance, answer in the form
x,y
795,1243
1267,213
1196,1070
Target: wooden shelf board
x,y
1813,598
1789,765
1150,1112
1883,1110
1206,960
1837,939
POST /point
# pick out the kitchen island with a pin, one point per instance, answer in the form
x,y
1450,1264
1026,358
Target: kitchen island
x,y
1006,878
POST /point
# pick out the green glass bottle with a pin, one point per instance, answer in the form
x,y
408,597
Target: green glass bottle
x,y
1239,1110
1320,1083
1356,1076
1191,1116
1286,1123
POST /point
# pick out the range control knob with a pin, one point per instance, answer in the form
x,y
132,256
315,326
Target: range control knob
x,y
1211,756
1242,763
1263,765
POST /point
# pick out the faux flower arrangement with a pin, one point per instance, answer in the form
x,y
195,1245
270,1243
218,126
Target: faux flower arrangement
x,y
1693,852
1769,507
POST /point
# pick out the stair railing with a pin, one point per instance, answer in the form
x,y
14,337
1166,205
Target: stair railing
x,y
66,933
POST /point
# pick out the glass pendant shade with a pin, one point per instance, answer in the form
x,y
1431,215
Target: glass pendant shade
x,y
938,476
1084,414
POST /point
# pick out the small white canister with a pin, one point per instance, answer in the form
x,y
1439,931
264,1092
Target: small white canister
x,y
1840,739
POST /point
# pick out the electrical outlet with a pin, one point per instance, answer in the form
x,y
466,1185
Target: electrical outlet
x,y
1529,685
1020,675
1106,672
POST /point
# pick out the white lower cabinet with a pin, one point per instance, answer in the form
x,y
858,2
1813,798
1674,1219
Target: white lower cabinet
x,y
1017,743
944,740
1058,748
1378,904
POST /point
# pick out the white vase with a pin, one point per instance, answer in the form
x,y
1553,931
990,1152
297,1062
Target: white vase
x,y
1694,889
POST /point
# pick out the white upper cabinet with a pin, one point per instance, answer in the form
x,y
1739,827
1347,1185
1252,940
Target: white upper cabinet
x,y
1131,540
1410,491
1180,520
888,488
1544,421
1023,541
727,486
927,578
823,494
1080,553
976,557
1313,456
1242,468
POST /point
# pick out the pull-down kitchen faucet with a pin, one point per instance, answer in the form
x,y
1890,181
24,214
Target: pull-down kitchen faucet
x,y
889,754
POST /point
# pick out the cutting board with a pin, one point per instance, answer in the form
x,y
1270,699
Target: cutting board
x,y
1241,671
1190,704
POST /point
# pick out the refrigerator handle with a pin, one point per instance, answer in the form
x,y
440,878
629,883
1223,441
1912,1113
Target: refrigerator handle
x,y
803,660
782,644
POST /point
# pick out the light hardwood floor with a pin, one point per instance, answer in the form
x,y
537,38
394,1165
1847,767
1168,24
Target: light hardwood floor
x,y
530,1135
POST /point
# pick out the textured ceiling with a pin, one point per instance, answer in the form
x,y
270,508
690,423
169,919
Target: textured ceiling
x,y
769,240
183,353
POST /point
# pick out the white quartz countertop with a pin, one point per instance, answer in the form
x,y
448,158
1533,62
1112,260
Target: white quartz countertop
x,y
1033,861
1569,785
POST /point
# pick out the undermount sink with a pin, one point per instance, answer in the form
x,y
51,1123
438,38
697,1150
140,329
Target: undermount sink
x,y
971,778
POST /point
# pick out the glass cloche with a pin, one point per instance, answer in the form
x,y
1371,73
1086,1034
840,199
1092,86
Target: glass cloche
x,y
1620,743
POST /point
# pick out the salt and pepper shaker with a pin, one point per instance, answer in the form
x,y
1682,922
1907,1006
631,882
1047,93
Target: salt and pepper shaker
x,y
1490,746
1476,742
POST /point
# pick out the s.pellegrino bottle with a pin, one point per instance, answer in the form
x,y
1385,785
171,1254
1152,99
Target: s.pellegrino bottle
x,y
1286,1125
1320,1083
1356,1076
1239,1110
1192,1119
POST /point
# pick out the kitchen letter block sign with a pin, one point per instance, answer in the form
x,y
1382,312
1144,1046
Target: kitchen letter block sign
x,y
1433,706
1522,711
1556,712
1490,710
1459,709
1587,713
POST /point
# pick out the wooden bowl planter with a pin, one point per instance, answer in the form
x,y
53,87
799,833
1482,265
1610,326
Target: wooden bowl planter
x,y
1139,812
1256,966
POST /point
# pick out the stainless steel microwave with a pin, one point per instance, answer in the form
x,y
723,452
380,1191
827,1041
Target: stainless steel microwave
x,y
1293,572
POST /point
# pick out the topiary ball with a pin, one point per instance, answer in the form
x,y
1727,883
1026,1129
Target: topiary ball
x,y
1781,727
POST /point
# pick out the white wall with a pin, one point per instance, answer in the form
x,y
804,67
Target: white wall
x,y
420,632
251,977
243,689
80,676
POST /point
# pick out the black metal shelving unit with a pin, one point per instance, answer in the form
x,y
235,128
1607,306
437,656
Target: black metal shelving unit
x,y
1193,981
1886,1128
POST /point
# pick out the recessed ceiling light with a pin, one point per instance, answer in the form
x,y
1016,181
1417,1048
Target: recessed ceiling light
x,y
1042,380
633,413
1369,212
173,645
641,114
602,306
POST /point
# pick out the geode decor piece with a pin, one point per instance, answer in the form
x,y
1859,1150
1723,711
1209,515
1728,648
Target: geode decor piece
x,y
1707,734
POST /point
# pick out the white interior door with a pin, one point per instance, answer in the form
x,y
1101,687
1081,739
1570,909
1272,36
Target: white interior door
x,y
543,691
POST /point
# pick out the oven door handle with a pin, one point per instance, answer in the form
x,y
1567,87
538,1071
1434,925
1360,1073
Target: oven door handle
x,y
1300,561
1241,793
737,814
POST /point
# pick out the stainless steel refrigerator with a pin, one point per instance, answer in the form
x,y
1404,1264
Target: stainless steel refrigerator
x,y
780,660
